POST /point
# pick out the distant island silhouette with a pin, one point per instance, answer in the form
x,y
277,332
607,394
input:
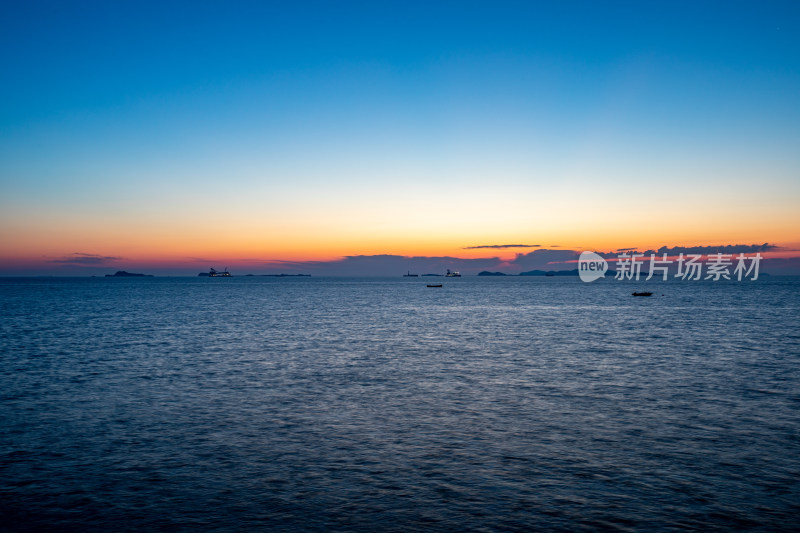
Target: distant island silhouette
x,y
533,273
123,274
550,273
573,272
279,275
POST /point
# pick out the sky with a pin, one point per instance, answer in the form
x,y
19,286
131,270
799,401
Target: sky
x,y
170,137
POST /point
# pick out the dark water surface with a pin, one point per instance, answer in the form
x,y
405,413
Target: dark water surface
x,y
379,404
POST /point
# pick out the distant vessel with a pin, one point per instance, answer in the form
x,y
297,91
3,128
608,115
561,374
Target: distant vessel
x,y
452,274
214,274
642,293
410,275
434,285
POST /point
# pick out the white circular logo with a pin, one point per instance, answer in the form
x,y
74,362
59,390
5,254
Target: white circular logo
x,y
591,266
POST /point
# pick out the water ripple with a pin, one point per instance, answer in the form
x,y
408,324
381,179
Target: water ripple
x,y
366,404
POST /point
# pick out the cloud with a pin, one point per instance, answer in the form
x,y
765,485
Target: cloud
x,y
501,246
770,265
397,265
86,259
724,249
700,250
540,259
781,266
385,265
546,259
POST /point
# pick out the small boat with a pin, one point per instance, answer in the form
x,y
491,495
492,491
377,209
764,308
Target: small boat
x,y
452,274
410,275
434,285
642,294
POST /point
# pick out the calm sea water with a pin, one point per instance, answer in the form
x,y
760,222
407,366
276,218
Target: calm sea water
x,y
490,404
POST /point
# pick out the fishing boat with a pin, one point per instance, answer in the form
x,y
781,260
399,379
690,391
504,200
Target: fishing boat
x,y
452,274
432,285
642,293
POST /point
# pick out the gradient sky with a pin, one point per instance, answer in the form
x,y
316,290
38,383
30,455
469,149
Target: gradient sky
x,y
167,135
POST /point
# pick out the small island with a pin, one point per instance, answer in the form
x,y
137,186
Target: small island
x,y
573,272
487,273
278,275
123,274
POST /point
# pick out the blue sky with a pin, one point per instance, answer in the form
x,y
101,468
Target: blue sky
x,y
115,114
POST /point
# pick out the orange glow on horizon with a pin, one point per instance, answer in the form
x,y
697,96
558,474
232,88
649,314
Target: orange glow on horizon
x,y
177,240
255,258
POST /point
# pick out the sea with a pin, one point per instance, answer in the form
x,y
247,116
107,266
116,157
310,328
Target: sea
x,y
380,404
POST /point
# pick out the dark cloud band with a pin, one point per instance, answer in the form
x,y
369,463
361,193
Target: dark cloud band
x,y
86,259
